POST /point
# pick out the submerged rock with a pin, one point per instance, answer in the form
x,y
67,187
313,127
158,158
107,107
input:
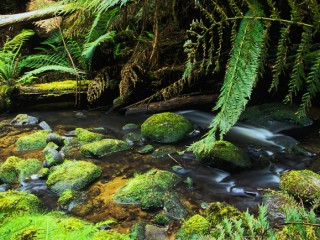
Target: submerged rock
x,y
72,175
146,149
55,138
33,141
103,147
173,206
195,227
130,126
134,139
226,156
24,119
84,135
163,151
166,127
302,184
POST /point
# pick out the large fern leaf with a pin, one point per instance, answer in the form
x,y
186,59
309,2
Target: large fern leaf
x,y
241,75
15,43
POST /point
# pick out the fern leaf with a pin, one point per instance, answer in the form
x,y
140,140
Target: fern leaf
x,y
15,43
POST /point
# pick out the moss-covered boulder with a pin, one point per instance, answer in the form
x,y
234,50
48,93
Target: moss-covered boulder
x,y
146,149
277,202
15,168
263,115
166,127
103,147
194,228
24,119
163,151
73,175
110,235
302,184
148,189
13,202
226,156
33,141
84,135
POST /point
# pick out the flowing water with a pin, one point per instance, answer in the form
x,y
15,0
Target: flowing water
x,y
244,189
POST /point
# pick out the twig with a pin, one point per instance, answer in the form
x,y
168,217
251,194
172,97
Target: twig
x,y
173,159
304,223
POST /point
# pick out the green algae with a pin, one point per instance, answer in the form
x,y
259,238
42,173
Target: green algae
x,y
166,127
33,141
73,175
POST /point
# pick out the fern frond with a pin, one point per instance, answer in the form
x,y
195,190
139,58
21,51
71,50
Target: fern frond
x,y
40,60
296,14
15,43
234,6
275,13
315,11
298,72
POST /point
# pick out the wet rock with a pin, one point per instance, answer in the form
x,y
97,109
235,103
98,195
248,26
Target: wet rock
x,y
173,206
103,147
24,119
55,138
194,228
146,149
138,231
4,187
50,145
130,126
226,156
79,115
161,219
73,175
14,169
163,151
179,169
45,126
33,141
155,233
53,157
84,135
276,203
302,184
166,127
264,115
134,139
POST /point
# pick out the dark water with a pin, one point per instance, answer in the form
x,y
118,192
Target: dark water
x,y
244,189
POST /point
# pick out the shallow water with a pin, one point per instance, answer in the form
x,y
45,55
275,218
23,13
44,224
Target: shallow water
x,y
244,189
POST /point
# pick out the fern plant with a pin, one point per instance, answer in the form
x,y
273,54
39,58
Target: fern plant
x,y
254,45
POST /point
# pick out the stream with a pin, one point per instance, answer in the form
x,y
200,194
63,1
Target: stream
x,y
243,190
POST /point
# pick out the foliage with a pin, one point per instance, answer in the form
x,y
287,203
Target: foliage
x,y
252,44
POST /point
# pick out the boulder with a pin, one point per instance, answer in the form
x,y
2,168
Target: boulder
x,y
24,119
130,126
33,141
84,135
55,138
166,127
72,175
53,157
163,151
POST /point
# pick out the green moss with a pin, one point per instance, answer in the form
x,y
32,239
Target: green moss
x,y
13,202
141,186
193,228
146,149
33,141
173,206
219,210
163,151
166,127
103,147
226,156
66,197
14,168
60,86
302,184
110,235
50,145
72,175
84,135
161,219
138,231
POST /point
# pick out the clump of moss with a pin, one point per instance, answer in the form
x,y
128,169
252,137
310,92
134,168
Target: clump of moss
x,y
302,184
61,86
13,202
193,228
138,231
226,156
16,168
166,127
33,141
72,175
161,219
110,235
66,197
103,147
84,135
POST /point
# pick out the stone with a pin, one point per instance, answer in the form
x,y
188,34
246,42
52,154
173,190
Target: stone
x,y
24,119
155,233
166,127
130,126
55,138
53,157
134,139
146,149
33,141
45,126
163,151
86,136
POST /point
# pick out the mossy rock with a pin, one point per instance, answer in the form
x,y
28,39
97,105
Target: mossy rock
x,y
263,115
277,202
134,139
302,184
33,141
130,126
24,119
217,211
67,196
143,186
161,219
163,151
194,228
86,136
73,175
13,202
37,226
166,127
15,168
146,149
103,147
226,156
110,235
173,206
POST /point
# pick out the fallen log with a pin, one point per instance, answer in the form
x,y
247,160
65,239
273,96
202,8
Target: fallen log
x,y
173,104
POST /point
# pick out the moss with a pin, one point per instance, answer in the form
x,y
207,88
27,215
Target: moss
x,y
5,92
14,168
84,135
73,175
193,227
217,211
138,231
130,126
13,202
154,182
163,151
226,156
173,206
166,127
66,197
161,219
33,141
103,147
302,184
146,149
110,235
50,145
61,86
